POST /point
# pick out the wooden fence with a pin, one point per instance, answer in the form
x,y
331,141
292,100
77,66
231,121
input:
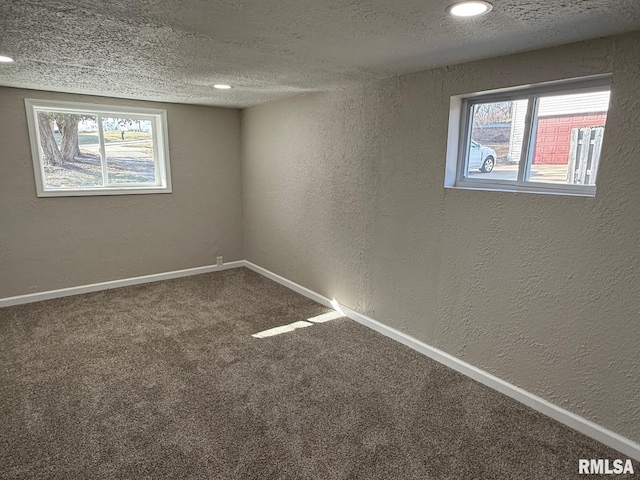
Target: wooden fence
x,y
584,155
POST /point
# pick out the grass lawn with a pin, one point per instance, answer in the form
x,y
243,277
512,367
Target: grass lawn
x,y
87,138
86,171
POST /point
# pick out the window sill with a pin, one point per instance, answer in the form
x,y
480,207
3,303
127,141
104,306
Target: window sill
x,y
563,190
103,191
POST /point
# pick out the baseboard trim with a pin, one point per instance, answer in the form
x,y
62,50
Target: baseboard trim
x,y
95,287
576,422
289,284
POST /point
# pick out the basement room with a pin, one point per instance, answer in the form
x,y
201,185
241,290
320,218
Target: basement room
x,y
319,240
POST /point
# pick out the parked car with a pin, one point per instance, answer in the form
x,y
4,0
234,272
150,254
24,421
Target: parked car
x,y
481,157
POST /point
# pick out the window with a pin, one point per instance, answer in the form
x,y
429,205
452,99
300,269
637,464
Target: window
x,y
88,149
545,138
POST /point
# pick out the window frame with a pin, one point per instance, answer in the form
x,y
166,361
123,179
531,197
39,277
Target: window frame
x,y
459,138
160,141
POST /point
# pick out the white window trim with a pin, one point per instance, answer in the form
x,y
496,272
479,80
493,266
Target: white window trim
x,y
460,134
160,147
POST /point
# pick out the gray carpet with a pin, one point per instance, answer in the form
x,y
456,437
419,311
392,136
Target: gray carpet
x,y
164,380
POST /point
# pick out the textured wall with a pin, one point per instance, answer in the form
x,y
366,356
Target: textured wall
x,y
51,243
175,51
343,193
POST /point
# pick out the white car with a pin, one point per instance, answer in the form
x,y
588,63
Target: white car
x,y
481,157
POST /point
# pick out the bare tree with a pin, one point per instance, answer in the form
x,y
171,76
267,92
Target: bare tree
x,y
48,141
69,146
489,113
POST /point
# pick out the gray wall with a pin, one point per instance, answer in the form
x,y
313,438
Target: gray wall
x,y
343,193
51,243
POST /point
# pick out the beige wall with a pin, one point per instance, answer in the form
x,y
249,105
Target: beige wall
x,y
51,243
343,193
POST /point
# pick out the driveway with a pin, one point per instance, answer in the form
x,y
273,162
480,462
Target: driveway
x,y
539,173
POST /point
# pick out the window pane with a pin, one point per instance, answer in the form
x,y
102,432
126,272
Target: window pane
x,y
496,140
129,151
69,149
568,138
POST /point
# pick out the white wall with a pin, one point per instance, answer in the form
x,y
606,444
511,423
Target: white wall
x,y
343,193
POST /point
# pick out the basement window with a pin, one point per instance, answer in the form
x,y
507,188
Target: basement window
x,y
545,138
89,149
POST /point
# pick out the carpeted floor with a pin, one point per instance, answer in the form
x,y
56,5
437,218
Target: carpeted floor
x,y
165,380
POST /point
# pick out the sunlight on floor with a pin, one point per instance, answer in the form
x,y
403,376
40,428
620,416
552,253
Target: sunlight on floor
x,y
281,329
325,317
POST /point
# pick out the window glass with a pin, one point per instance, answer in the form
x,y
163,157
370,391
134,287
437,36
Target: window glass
x,y
568,138
129,151
67,161
496,140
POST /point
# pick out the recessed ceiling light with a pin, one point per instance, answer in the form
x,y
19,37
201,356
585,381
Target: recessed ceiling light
x,y
5,59
469,9
222,86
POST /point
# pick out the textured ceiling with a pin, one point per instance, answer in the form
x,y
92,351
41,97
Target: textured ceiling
x,y
168,50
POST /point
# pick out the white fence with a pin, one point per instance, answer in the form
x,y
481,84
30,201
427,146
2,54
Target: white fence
x,y
584,155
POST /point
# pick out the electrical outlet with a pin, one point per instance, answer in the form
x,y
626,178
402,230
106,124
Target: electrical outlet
x,y
220,261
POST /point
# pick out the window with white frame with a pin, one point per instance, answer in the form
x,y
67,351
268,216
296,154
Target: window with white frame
x,y
544,138
89,149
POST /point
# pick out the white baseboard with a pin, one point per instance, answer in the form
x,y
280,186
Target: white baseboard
x,y
576,422
95,287
582,425
289,284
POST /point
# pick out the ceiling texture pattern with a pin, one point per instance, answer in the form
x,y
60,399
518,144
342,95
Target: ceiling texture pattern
x,y
175,51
